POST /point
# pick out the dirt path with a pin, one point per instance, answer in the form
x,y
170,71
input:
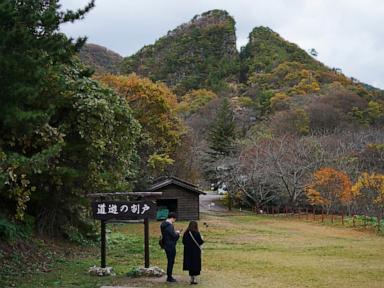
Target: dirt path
x,y
210,203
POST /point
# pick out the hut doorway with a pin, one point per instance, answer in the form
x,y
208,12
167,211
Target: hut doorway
x,y
164,206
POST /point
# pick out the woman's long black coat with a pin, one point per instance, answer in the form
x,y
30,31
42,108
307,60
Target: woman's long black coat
x,y
192,253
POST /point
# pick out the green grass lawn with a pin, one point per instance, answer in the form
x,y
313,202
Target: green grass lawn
x,y
240,251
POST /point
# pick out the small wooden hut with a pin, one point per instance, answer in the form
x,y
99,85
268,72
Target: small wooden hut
x,y
178,196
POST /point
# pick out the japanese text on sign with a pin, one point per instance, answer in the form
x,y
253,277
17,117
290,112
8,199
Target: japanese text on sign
x,y
123,210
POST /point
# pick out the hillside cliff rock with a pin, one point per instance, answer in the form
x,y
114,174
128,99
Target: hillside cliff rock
x,y
199,54
266,49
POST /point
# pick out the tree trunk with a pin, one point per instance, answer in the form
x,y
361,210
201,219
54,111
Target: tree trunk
x,y
378,222
322,215
229,201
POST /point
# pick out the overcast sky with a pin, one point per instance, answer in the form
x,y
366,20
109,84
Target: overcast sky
x,y
348,34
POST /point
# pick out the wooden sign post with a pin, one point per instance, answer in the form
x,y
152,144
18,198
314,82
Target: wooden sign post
x,y
146,243
123,210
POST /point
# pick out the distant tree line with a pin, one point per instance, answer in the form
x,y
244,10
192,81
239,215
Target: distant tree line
x,y
340,172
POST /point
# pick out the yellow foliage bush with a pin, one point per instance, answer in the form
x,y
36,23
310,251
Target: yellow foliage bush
x,y
194,100
279,101
371,187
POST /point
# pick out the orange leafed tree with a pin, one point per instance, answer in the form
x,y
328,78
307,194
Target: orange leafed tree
x,y
330,187
154,106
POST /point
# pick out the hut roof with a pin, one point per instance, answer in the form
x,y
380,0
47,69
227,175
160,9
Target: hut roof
x,y
166,181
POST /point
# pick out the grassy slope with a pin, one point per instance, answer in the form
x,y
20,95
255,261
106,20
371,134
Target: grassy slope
x,y
242,251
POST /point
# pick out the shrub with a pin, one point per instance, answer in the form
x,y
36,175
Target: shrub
x,y
10,231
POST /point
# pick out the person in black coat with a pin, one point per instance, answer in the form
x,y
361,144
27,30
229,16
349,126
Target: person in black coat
x,y
170,237
192,251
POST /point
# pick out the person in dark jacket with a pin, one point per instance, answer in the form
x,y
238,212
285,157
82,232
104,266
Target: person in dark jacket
x,y
192,251
170,237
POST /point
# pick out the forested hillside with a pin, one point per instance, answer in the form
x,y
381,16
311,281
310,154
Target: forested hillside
x,y
282,80
100,59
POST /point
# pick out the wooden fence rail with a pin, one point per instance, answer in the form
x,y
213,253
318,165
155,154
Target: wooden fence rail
x,y
320,215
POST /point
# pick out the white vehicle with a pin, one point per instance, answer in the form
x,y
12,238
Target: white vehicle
x,y
222,190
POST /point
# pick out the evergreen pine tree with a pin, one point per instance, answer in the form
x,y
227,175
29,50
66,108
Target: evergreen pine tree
x,y
62,134
221,139
222,133
33,54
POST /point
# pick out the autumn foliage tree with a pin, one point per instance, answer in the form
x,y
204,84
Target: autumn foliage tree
x,y
154,106
329,188
369,189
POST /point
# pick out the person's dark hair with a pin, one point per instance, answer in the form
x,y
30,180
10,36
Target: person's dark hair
x,y
172,215
193,226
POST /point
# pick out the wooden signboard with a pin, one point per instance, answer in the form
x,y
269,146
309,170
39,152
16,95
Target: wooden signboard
x,y
123,210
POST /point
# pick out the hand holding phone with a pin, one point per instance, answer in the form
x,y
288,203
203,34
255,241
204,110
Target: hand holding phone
x,y
179,231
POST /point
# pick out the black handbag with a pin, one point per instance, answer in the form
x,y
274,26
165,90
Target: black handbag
x,y
161,242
